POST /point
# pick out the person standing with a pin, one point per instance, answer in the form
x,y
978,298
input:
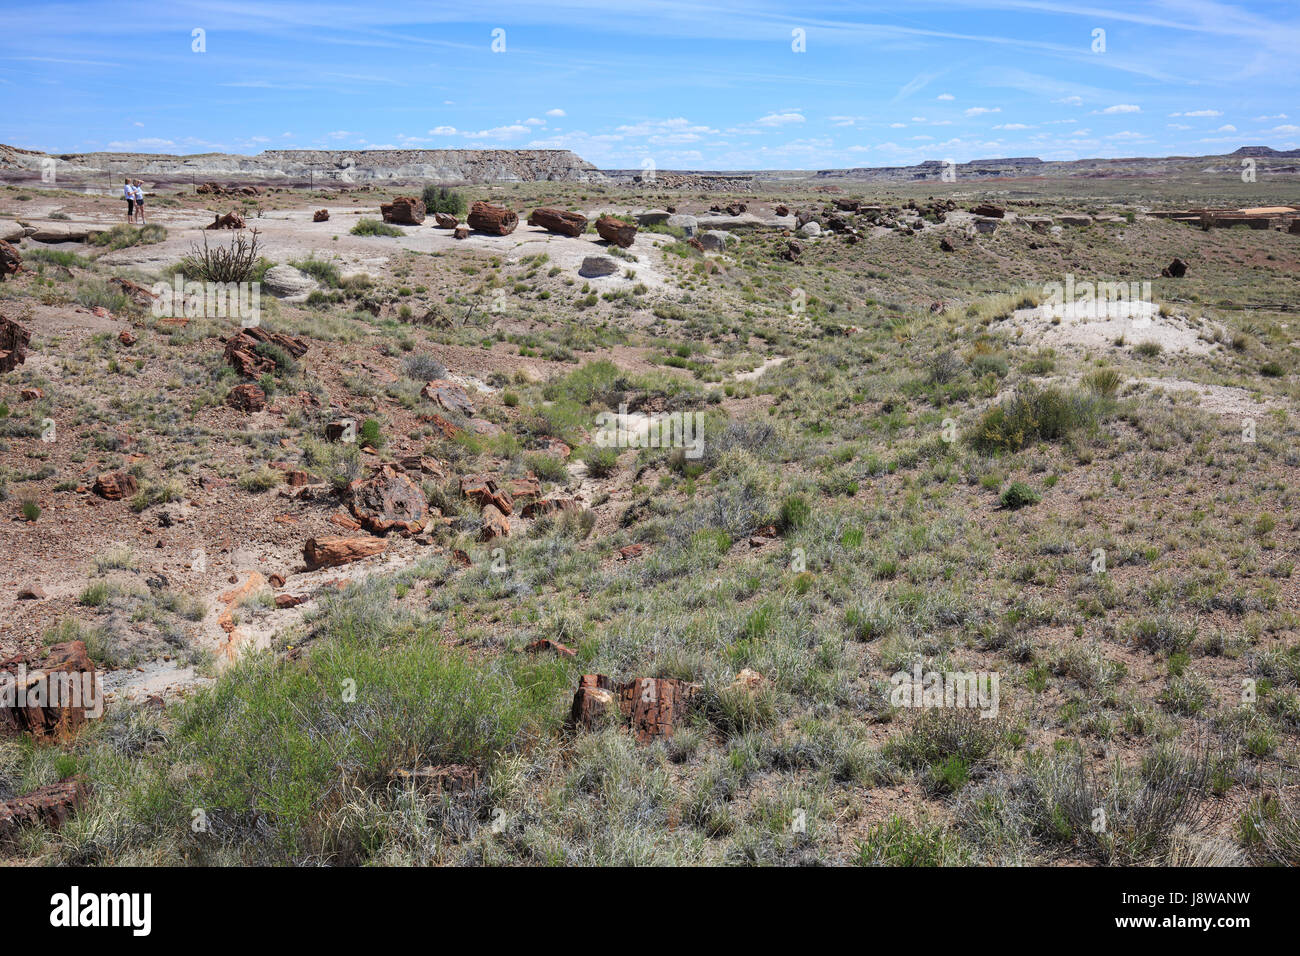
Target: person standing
x,y
139,201
128,193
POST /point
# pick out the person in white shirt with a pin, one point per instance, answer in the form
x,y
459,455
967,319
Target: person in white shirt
x,y
128,193
139,200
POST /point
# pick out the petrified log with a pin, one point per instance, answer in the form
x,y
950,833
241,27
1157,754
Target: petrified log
x,y
404,210
115,485
48,806
331,552
11,263
495,220
320,215
558,220
50,697
231,220
389,501
445,220
14,340
617,231
242,354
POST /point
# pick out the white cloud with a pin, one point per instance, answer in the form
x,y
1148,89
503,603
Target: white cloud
x,y
1121,108
1190,113
1178,126
1285,129
1070,101
897,125
1012,126
980,110
781,119
1265,119
1229,128
443,131
945,96
534,121
556,112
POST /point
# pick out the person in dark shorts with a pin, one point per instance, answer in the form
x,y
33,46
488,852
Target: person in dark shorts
x,y
139,201
128,193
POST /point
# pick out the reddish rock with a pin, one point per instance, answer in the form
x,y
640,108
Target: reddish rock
x,y
1175,270
332,552
558,220
553,446
946,246
134,291
346,522
320,215
297,478
275,580
793,250
484,490
338,430
546,506
424,465
14,340
988,209
545,644
653,705
494,220
242,355
48,806
11,262
495,524
404,210
593,702
389,501
448,429
31,593
55,690
462,232
524,490
439,779
460,557
246,398
449,395
444,220
126,337
617,231
285,601
30,394
231,220
115,485
782,210
631,551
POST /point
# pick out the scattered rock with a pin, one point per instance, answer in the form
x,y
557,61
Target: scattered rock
x,y
55,692
285,601
495,524
1175,270
445,220
947,246
134,291
494,220
231,220
651,705
545,644
593,702
320,215
14,340
31,593
30,394
332,552
449,395
715,240
594,267
558,220
441,779
782,210
286,282
48,806
617,231
389,501
546,506
11,262
631,551
688,224
246,398
792,251
1074,219
404,210
242,354
462,232
811,229
483,490
989,210
126,337
115,485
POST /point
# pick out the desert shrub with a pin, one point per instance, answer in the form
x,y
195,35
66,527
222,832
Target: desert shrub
x,y
599,382
423,368
373,227
99,294
30,510
1104,382
263,479
1143,806
1018,495
795,512
1272,828
601,462
898,842
323,271
943,366
1035,414
442,199
123,235
216,263
1148,349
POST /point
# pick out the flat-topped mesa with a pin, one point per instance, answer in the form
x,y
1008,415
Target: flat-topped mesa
x,y
340,165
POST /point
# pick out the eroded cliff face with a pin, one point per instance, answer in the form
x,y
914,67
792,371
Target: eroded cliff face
x,y
327,165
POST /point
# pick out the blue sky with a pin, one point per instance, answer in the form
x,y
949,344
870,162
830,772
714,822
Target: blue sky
x,y
708,85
